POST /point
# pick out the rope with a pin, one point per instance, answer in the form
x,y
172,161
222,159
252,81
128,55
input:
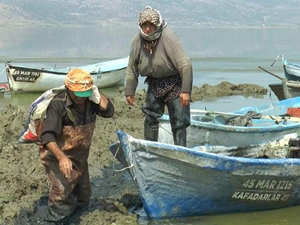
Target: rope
x,y
6,67
131,164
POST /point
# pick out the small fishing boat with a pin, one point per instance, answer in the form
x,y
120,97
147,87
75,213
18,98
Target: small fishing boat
x,y
289,87
291,70
27,79
286,89
175,181
247,126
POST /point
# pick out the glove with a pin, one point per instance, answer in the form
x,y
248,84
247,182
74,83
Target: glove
x,y
95,97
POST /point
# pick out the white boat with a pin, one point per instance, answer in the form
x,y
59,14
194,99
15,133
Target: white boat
x,y
221,128
29,79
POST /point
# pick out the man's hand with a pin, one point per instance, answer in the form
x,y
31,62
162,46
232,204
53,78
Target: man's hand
x,y
184,99
95,97
65,166
130,100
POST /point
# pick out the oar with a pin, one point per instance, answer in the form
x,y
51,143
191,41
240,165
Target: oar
x,y
279,77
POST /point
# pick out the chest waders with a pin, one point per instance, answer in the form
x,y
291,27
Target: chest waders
x,y
68,194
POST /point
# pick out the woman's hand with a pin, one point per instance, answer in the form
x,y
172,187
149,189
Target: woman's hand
x,y
130,100
185,99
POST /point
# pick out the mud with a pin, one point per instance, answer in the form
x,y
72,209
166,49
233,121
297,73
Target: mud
x,y
24,184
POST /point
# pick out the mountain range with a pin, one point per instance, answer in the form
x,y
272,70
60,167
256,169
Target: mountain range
x,y
178,12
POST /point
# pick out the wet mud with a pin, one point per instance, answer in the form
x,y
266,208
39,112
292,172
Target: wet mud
x,y
24,184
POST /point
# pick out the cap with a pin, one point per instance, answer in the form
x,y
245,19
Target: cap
x,y
80,82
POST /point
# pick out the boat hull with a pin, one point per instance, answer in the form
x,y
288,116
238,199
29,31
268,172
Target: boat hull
x,y
286,89
278,90
174,181
24,79
291,71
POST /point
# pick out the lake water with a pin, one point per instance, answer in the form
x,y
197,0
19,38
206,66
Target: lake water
x,y
217,54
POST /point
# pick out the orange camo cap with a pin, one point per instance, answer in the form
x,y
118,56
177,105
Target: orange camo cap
x,y
79,80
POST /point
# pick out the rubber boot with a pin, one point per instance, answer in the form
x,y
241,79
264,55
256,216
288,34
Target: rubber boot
x,y
180,137
151,133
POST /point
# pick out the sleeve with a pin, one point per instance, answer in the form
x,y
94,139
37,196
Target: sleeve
x,y
132,72
106,113
180,60
52,123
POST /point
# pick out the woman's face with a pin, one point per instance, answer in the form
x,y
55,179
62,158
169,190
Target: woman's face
x,y
148,28
77,100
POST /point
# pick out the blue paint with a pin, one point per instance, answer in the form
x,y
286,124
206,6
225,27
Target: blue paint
x,y
175,181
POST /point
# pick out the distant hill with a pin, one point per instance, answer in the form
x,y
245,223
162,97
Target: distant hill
x,y
180,12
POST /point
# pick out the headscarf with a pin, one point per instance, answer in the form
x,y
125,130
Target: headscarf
x,y
153,16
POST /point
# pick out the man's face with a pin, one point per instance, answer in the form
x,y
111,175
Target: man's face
x,y
77,100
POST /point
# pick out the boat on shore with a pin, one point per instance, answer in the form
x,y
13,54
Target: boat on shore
x,y
291,70
289,87
29,79
286,89
175,181
247,126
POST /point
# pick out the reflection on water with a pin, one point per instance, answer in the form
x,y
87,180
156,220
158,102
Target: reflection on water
x,y
285,216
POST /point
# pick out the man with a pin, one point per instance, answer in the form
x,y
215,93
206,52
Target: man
x,y
157,53
66,138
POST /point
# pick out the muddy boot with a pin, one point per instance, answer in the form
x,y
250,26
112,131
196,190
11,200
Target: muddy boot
x,y
180,137
151,133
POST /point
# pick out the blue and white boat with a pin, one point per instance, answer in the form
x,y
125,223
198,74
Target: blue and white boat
x,y
215,128
175,181
290,83
291,70
27,79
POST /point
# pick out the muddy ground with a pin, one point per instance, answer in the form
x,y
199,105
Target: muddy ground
x,y
24,184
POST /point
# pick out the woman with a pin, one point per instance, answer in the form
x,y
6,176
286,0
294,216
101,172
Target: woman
x,y
156,52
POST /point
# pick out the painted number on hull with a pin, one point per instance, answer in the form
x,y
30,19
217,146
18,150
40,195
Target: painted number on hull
x,y
25,76
269,184
264,190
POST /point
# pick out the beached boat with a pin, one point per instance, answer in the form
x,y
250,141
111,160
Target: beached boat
x,y
286,89
291,69
277,88
271,122
26,79
175,181
289,87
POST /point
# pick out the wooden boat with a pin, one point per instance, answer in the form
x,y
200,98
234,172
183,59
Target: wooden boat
x,y
291,70
277,88
218,128
290,83
286,89
175,181
291,88
26,79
